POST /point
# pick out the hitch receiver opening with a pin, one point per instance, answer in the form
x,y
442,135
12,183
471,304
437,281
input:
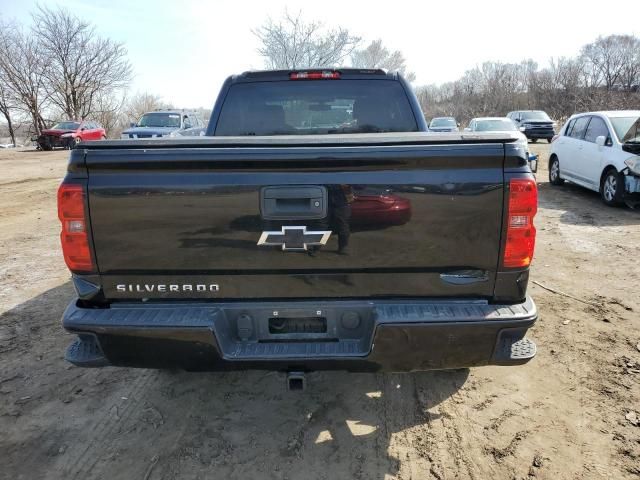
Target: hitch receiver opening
x,y
296,381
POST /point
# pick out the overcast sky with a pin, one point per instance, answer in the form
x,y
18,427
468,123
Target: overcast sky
x,y
182,50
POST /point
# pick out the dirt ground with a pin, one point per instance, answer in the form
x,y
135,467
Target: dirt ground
x,y
571,413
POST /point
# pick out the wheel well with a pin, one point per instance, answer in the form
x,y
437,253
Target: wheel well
x,y
551,158
606,170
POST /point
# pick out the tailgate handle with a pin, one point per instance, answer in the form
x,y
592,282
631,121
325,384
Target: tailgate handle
x,y
293,202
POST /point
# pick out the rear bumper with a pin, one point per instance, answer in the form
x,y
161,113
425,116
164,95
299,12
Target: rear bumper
x,y
388,336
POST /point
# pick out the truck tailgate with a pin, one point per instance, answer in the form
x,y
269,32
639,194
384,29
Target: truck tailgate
x,y
420,219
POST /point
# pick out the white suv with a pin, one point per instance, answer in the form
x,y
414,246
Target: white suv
x,y
600,151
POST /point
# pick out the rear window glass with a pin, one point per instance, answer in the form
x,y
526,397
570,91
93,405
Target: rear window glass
x,y
495,125
443,122
579,127
305,107
567,131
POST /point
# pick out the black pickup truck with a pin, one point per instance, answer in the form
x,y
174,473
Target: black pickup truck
x,y
317,225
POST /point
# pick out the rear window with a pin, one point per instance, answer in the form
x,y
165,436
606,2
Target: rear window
x,y
306,107
567,131
443,122
495,125
579,127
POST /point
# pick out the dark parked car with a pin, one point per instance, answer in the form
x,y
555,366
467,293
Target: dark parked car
x,y
67,134
444,124
165,123
235,250
534,124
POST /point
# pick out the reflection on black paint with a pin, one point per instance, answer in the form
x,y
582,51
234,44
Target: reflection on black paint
x,y
351,209
340,199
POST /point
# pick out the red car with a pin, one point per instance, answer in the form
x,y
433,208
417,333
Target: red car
x,y
379,209
67,134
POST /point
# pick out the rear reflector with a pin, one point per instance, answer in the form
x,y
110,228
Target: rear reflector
x,y
74,238
521,234
326,74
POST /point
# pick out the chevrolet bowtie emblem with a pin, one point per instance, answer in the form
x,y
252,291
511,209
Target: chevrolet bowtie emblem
x,y
294,238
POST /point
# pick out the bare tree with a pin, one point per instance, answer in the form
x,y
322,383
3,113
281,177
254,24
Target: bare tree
x,y
606,55
24,71
109,113
564,87
84,68
630,72
376,55
8,105
141,103
294,43
116,114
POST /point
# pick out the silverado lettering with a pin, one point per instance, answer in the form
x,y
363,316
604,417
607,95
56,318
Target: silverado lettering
x,y
167,288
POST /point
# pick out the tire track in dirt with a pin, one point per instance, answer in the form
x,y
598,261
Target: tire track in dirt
x,y
104,432
454,458
28,180
401,413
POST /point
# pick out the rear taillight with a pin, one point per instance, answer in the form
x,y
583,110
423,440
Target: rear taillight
x,y
521,234
323,75
74,238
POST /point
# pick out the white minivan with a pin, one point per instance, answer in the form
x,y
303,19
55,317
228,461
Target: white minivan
x,y
600,151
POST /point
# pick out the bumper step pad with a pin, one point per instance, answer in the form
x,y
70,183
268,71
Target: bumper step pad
x,y
512,351
86,352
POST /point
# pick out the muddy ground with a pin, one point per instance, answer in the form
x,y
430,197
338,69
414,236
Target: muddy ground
x,y
572,413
